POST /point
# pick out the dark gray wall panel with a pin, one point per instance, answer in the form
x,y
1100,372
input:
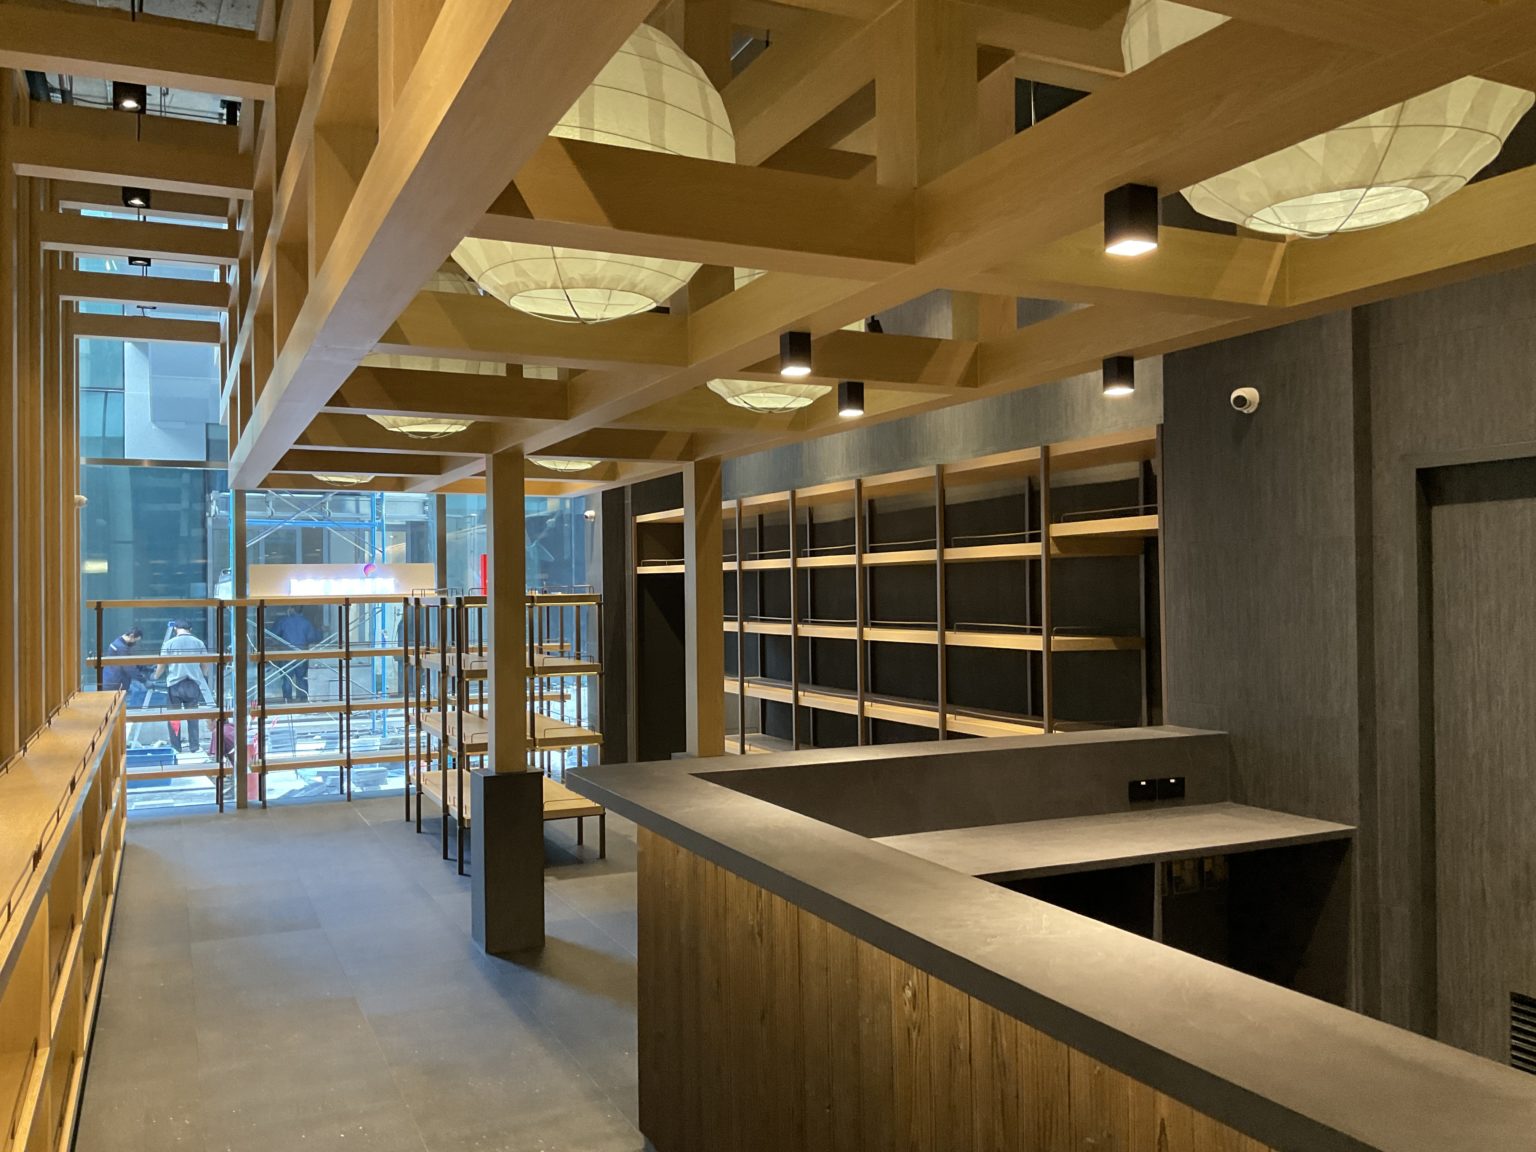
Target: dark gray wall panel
x,y
1260,575
1066,410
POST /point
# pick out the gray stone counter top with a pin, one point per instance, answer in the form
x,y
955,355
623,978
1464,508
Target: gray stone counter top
x,y
1113,840
1296,1073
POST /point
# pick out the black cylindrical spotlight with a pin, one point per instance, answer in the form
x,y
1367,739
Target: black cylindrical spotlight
x,y
135,197
794,354
127,97
138,261
231,111
850,398
1130,220
1119,376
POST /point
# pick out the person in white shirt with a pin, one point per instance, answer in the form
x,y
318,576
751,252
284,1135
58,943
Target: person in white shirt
x,y
185,682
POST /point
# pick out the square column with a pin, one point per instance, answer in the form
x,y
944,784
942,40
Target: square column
x,y
704,605
506,799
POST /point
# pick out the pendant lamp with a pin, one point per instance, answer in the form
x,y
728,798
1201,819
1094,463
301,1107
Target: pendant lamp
x,y
768,395
559,464
1380,168
650,96
348,478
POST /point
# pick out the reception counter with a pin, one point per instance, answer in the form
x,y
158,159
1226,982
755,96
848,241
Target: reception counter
x,y
821,965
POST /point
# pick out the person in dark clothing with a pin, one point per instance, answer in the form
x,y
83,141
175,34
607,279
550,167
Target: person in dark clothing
x,y
295,630
130,678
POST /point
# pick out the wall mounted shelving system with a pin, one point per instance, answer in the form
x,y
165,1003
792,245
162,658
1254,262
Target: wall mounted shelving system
x,y
1009,594
448,662
62,805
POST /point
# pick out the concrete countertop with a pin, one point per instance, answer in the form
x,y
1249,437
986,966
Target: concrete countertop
x,y
1082,843
1296,1073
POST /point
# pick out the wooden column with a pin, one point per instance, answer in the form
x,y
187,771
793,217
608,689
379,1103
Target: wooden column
x,y
506,799
1047,681
10,620
925,92
507,665
239,573
704,600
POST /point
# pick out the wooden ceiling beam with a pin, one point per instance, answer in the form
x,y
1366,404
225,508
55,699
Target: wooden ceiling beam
x,y
73,195
1374,25
108,45
92,326
1075,45
416,392
102,236
146,291
624,444
1200,272
98,146
430,172
312,460
461,327
594,196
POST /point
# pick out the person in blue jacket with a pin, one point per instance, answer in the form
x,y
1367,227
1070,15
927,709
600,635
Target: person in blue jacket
x,y
295,630
130,678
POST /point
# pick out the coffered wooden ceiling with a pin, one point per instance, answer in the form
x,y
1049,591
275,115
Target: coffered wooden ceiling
x,y
877,162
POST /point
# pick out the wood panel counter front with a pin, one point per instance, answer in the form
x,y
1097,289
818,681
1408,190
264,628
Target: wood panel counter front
x,y
803,987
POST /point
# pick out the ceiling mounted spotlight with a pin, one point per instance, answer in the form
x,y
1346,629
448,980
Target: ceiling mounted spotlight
x,y
1119,376
231,111
138,261
347,479
1130,220
558,464
794,354
136,197
421,427
127,97
850,398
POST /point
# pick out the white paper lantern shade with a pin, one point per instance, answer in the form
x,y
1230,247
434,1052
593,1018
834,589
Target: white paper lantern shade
x,y
561,464
650,96
344,479
768,396
421,427
1372,171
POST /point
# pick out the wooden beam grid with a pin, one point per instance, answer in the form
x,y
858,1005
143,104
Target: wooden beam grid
x,y
1020,218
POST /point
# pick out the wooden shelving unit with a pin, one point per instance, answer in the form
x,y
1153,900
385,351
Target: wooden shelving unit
x,y
62,812
447,711
960,600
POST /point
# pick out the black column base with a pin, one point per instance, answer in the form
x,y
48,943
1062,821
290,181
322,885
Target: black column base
x,y
507,901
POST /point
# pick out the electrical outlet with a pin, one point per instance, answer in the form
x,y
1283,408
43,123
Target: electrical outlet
x,y
1142,791
1170,787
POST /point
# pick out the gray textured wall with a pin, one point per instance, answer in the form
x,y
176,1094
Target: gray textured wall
x,y
1065,410
1293,572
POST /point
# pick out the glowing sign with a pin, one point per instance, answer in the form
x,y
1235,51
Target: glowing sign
x,y
342,586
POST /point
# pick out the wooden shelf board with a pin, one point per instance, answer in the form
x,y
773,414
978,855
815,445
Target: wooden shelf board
x,y
899,634
1116,448
666,516
829,631
1023,462
757,744
899,483
560,803
669,569
973,553
828,560
980,638
1107,527
901,556
765,564
755,504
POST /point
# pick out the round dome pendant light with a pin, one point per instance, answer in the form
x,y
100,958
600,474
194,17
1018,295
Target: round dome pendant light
x,y
652,97
421,427
768,395
1380,168
348,478
558,464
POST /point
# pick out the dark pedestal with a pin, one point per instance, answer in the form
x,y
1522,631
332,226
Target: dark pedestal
x,y
507,903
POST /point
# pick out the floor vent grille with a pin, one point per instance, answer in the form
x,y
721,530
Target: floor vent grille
x,y
1522,1032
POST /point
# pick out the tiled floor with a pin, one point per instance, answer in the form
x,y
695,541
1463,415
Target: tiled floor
x,y
303,978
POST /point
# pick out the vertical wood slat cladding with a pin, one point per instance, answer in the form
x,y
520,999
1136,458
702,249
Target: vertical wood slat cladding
x,y
764,1028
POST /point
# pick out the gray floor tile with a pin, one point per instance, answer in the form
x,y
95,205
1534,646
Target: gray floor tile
x,y
303,978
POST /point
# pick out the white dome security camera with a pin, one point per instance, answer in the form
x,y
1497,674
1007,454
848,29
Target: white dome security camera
x,y
1245,400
